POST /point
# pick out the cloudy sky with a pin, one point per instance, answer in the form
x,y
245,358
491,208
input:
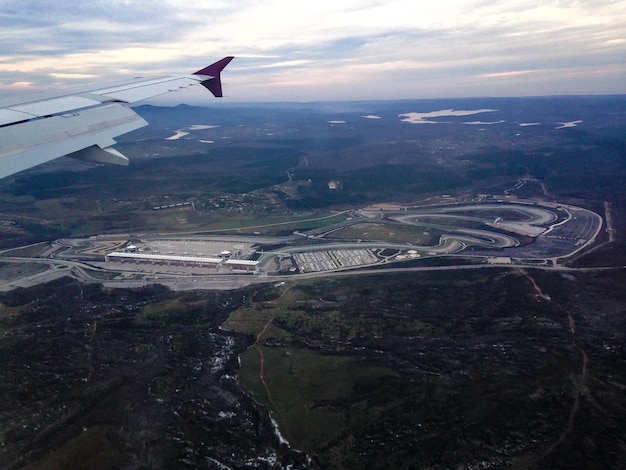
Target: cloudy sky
x,y
290,50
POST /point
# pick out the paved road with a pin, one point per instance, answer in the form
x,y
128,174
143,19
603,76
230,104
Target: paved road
x,y
83,272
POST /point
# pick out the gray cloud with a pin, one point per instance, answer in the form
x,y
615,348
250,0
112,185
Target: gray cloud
x,y
467,45
63,27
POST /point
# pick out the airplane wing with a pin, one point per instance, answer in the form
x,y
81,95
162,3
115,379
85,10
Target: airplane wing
x,y
84,125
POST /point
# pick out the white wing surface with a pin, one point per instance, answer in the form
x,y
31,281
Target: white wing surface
x,y
84,125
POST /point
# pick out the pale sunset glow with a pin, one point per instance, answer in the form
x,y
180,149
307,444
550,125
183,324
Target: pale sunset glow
x,y
324,50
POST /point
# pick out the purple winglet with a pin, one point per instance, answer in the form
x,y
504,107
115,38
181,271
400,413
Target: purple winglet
x,y
214,84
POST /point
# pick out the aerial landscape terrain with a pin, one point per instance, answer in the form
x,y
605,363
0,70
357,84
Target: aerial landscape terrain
x,y
417,284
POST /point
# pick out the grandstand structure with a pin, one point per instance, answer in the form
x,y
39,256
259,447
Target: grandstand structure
x,y
185,261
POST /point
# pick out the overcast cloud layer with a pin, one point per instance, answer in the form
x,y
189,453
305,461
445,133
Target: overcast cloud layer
x,y
324,49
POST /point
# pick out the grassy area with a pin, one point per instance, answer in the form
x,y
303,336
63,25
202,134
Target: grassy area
x,y
101,275
29,251
160,311
93,448
188,221
275,224
172,219
6,313
303,387
387,233
248,320
301,384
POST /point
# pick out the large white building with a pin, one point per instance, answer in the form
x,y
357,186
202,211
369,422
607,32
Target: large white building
x,y
173,260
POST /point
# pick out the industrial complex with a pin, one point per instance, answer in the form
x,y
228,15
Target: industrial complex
x,y
489,233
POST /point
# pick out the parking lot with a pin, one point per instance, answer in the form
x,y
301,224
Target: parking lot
x,y
328,260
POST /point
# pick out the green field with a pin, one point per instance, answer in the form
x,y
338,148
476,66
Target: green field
x,y
300,385
390,233
399,366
